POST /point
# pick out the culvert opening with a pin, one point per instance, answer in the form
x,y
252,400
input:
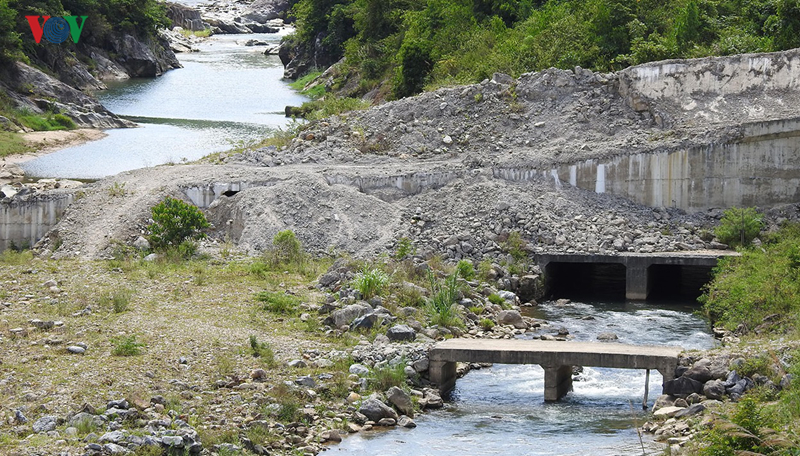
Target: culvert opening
x,y
230,193
670,282
586,281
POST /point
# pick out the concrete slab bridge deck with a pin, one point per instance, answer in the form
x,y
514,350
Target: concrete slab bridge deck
x,y
556,357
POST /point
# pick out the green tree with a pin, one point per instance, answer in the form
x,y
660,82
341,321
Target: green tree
x,y
739,226
174,222
785,25
9,38
415,58
687,25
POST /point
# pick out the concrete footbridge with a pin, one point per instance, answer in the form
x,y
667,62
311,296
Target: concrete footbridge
x,y
556,357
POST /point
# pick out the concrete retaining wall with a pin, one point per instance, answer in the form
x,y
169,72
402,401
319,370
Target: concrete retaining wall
x,y
761,169
25,220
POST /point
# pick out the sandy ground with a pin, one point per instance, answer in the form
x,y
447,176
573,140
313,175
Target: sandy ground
x,y
45,142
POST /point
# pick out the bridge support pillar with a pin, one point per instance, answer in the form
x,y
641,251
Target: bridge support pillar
x,y
637,282
557,382
443,374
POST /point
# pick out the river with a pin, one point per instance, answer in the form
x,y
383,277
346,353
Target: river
x,y
501,410
225,95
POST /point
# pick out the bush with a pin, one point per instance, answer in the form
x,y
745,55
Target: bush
x,y
405,247
287,249
486,324
495,298
739,227
465,270
174,222
370,282
515,246
126,346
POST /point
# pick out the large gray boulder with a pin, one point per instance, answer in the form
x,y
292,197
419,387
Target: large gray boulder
x,y
346,315
401,333
401,400
511,317
682,387
376,410
261,11
714,389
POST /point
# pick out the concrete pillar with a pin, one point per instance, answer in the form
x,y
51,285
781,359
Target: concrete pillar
x,y
557,382
637,283
443,374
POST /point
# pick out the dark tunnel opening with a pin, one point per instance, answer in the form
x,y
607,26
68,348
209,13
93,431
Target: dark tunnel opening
x,y
669,282
586,281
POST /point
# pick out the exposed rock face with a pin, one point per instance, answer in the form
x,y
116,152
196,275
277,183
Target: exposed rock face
x,y
186,17
41,89
298,59
261,11
141,60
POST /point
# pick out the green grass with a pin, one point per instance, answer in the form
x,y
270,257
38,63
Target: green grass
x,y
315,92
370,282
117,300
388,376
333,106
15,258
758,284
262,350
279,303
12,143
126,346
441,306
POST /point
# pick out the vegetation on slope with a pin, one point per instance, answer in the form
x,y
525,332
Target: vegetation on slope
x,y
758,296
404,46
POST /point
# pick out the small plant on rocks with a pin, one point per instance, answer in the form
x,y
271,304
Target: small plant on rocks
x,y
262,350
370,282
465,269
486,324
126,346
441,306
405,247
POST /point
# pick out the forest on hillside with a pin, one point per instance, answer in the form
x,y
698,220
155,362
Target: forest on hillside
x,y
106,17
406,46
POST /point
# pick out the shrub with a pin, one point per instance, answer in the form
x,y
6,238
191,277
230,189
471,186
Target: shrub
x,y
286,248
126,346
174,222
486,324
739,226
465,269
515,246
280,303
747,289
441,306
370,282
405,247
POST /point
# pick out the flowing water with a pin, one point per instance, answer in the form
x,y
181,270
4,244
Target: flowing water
x,y
226,94
501,410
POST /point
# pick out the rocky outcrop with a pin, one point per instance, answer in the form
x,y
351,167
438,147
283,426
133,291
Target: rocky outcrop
x,y
261,11
32,89
144,59
185,17
298,59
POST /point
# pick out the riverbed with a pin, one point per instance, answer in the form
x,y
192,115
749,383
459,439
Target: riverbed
x,y
501,410
226,95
